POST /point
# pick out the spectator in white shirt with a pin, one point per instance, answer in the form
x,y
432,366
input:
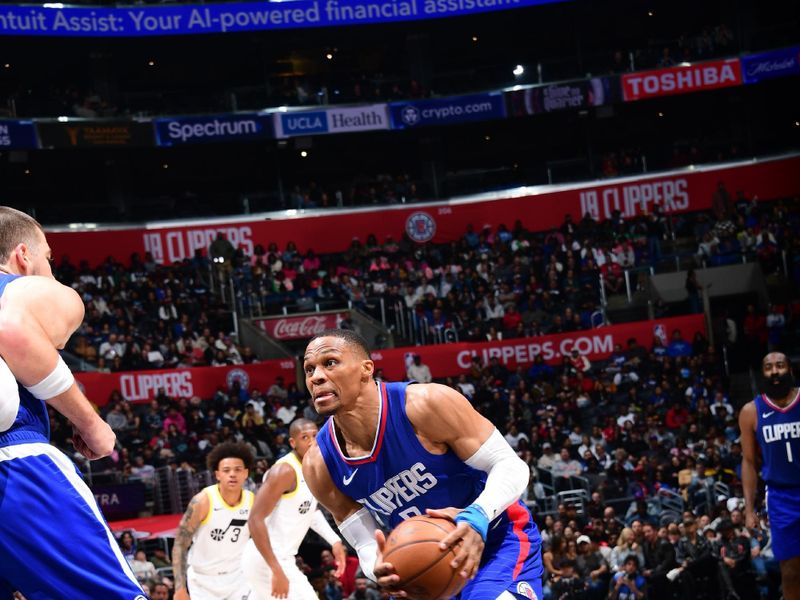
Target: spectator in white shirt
x,y
548,457
142,568
418,371
111,348
514,436
466,387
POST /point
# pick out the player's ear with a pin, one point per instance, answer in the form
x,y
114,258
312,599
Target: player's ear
x,y
367,369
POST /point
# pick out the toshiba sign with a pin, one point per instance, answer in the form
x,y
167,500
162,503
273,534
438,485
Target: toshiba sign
x,y
681,80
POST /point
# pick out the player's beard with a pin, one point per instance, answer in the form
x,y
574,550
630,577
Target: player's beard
x,y
777,387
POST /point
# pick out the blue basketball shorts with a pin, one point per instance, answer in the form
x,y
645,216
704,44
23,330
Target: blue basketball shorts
x,y
511,562
54,541
783,508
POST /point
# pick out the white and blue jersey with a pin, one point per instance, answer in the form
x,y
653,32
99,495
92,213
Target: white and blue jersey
x,y
399,478
54,541
778,434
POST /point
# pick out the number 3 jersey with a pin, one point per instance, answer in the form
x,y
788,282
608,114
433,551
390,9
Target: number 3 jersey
x,y
221,538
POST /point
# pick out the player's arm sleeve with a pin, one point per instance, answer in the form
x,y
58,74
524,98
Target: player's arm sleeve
x,y
507,478
359,531
321,526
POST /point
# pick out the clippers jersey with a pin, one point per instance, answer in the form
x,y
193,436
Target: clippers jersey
x,y
293,514
778,432
221,537
32,423
399,478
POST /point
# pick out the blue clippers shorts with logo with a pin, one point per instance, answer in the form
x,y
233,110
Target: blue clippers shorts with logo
x,y
517,554
54,541
783,508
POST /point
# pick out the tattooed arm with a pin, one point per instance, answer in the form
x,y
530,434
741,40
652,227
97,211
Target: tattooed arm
x,y
196,511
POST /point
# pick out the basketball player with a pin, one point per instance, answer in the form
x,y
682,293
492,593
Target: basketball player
x,y
283,511
771,422
401,450
54,541
215,526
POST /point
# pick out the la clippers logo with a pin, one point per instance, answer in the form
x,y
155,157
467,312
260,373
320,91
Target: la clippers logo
x,y
238,375
409,115
420,227
524,589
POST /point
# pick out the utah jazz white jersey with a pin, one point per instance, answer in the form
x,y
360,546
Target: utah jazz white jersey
x,y
220,539
292,516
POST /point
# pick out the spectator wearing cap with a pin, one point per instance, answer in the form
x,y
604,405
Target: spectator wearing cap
x,y
592,568
548,457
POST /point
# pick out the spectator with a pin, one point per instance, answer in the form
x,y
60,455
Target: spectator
x,y
566,466
142,568
592,568
569,585
659,559
629,584
364,591
418,371
626,546
548,458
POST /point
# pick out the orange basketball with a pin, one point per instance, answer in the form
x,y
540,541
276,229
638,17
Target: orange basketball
x,y
424,569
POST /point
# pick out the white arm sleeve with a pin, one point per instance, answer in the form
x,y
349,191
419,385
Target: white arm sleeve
x,y
320,525
508,475
359,531
9,397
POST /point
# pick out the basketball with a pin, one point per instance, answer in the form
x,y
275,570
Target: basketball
x,y
424,569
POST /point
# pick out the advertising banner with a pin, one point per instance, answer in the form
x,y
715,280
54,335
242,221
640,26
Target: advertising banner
x,y
698,77
574,95
301,326
120,500
142,386
445,111
178,131
17,135
538,208
94,134
346,119
769,65
55,19
445,360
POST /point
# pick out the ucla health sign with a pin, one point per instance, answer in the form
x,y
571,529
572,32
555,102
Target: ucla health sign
x,y
55,19
333,120
179,131
17,135
769,65
445,111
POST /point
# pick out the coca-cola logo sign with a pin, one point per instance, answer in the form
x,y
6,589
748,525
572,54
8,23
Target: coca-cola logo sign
x,y
300,327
